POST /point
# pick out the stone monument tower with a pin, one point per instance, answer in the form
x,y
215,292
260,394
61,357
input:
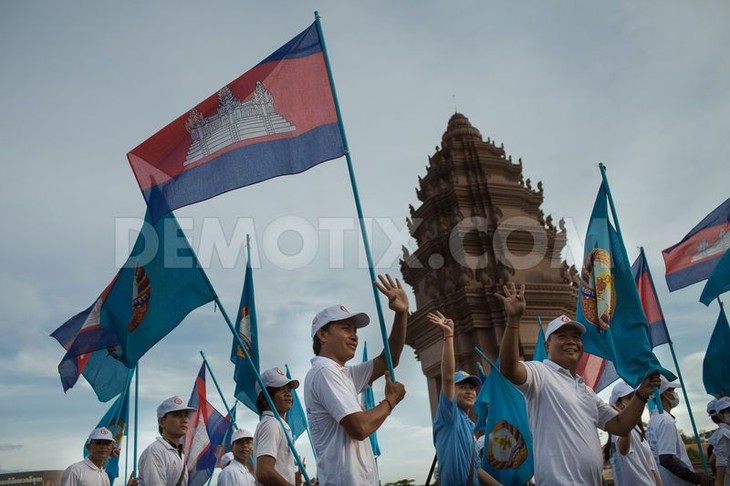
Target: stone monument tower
x,y
480,226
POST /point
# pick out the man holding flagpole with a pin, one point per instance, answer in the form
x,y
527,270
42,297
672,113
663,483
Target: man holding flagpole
x,y
274,460
339,426
90,471
563,412
162,463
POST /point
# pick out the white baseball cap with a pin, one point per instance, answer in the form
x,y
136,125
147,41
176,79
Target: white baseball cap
x,y
226,459
666,385
717,405
338,313
172,404
561,321
102,433
275,378
241,434
620,389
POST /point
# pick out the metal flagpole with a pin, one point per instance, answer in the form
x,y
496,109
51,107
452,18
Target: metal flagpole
x,y
311,442
215,382
136,417
242,346
358,206
676,365
657,396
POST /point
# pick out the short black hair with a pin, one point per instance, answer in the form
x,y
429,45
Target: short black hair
x,y
261,404
316,343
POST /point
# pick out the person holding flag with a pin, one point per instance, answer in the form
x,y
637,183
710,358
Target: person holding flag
x,y
670,453
631,459
238,472
90,471
338,424
274,460
453,430
563,412
162,463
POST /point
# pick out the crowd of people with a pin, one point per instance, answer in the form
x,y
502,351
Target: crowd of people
x,y
563,413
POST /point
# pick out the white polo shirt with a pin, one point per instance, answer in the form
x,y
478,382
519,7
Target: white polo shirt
x,y
84,473
664,439
269,440
564,413
236,474
635,468
161,465
720,440
330,394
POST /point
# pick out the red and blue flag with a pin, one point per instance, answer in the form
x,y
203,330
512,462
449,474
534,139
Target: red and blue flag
x,y
657,326
278,118
718,282
694,258
203,442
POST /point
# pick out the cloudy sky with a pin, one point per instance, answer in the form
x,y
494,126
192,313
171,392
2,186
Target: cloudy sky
x,y
640,86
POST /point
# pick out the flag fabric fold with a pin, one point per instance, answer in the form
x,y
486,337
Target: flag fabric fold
x,y
540,353
102,370
203,442
159,284
247,329
507,454
608,302
278,118
718,282
716,365
116,420
368,403
296,418
597,372
694,258
657,326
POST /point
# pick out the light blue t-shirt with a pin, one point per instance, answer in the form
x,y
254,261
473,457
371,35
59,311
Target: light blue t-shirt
x,y
453,436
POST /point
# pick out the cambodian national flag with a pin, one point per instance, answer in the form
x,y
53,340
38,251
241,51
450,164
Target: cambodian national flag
x,y
608,302
278,118
247,329
204,439
597,372
694,258
650,302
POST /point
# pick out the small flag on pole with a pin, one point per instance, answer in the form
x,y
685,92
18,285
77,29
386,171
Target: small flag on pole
x,y
694,258
657,327
247,329
716,365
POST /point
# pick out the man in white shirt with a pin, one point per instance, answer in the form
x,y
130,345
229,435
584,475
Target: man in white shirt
x,y
237,473
337,422
275,464
563,412
719,411
162,463
90,471
669,450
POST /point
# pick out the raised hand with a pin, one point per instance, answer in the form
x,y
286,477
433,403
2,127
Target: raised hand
x,y
514,301
392,289
438,319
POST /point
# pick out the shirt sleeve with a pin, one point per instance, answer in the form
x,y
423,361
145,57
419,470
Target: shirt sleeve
x,y
70,478
605,411
722,450
534,379
268,435
666,438
225,478
361,374
445,411
151,468
335,395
